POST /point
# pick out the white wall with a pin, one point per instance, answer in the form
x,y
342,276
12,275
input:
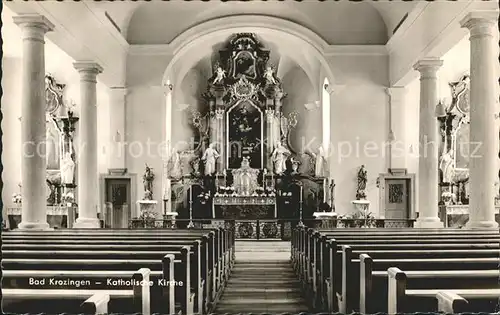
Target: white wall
x,y
359,120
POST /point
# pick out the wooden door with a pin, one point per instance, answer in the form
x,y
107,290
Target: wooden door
x,y
119,195
397,199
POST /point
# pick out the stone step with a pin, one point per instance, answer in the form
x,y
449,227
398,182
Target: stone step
x,y
266,309
261,290
229,295
252,283
261,300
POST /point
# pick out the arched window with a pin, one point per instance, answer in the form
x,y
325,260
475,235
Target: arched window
x,y
325,108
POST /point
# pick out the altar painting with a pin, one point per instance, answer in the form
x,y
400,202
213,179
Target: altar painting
x,y
245,134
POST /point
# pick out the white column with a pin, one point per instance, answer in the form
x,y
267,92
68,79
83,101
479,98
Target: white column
x,y
428,145
166,184
484,108
397,125
33,163
88,181
117,102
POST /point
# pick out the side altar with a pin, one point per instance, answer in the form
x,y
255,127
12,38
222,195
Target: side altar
x,y
242,166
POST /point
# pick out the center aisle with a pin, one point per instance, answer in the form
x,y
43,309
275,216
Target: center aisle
x,y
262,281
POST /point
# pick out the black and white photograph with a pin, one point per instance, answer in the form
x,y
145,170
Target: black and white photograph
x,y
250,157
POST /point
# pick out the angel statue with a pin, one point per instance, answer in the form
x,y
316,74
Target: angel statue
x,y
67,169
174,164
321,162
362,179
269,75
220,75
147,179
210,157
279,157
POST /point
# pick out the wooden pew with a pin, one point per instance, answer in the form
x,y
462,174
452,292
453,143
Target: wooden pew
x,y
224,247
187,266
97,304
410,291
140,294
373,279
450,302
223,262
306,251
329,275
224,242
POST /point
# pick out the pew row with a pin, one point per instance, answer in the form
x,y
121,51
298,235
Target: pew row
x,y
24,247
408,289
373,290
138,294
312,253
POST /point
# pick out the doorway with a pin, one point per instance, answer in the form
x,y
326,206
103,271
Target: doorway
x,y
118,198
397,199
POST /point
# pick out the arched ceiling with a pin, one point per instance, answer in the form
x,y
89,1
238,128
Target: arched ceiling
x,y
339,23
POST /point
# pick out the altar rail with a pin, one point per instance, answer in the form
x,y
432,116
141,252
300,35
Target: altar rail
x,y
266,228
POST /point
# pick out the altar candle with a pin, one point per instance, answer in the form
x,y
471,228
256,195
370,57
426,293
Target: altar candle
x,y
191,194
301,194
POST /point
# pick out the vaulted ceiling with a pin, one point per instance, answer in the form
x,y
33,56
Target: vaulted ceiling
x,y
338,23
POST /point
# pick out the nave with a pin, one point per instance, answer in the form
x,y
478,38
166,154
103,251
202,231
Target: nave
x,y
206,271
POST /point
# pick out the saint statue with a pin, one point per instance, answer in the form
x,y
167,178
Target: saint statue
x,y
210,157
174,164
269,75
362,179
67,169
447,167
220,75
320,165
147,179
279,157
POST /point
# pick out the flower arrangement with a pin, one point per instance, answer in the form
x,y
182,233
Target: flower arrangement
x,y
446,197
16,198
68,198
204,197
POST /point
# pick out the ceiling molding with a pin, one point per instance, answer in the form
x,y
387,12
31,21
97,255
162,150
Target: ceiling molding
x,y
101,17
399,36
330,50
356,50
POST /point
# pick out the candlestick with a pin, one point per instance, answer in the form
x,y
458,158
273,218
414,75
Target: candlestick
x,y
190,225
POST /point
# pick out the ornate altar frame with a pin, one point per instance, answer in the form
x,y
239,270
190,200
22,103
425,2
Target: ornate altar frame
x,y
228,143
233,82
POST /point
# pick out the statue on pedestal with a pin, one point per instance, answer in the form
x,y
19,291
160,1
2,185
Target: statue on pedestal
x,y
67,169
210,157
362,179
148,178
279,157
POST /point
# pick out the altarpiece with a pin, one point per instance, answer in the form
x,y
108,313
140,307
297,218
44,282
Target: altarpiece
x,y
243,167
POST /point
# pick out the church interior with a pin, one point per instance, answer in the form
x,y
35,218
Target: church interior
x,y
250,157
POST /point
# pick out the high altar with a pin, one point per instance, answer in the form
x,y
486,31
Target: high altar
x,y
243,167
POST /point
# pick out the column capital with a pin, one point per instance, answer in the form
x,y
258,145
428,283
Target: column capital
x,y
88,70
397,93
34,26
480,23
428,67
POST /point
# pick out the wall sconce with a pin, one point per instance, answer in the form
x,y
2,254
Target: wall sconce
x,y
441,110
